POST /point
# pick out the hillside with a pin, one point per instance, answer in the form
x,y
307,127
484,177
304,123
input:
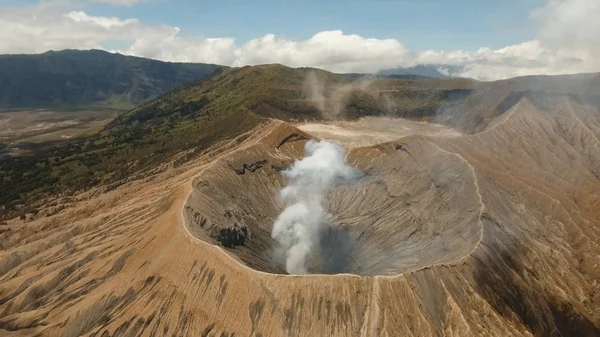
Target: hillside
x,y
197,115
185,122
74,78
162,222
488,234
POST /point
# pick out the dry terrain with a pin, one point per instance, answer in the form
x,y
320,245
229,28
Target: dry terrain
x,y
373,130
22,130
496,233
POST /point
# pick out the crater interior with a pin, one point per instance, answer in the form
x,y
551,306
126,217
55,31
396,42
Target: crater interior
x,y
403,215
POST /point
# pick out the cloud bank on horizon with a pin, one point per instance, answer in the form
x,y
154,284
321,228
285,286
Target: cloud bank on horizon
x,y
566,42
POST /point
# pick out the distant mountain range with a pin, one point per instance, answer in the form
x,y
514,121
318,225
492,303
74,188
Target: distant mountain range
x,y
76,78
96,78
420,71
430,70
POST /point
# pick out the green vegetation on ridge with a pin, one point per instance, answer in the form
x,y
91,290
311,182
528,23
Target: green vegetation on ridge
x,y
232,101
193,117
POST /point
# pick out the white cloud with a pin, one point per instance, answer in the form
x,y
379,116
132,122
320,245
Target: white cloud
x,y
330,50
120,2
567,42
168,45
569,24
105,22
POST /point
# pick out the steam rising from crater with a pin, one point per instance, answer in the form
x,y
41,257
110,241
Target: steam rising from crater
x,y
299,227
331,98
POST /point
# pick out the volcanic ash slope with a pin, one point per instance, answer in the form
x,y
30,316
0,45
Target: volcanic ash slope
x,y
491,234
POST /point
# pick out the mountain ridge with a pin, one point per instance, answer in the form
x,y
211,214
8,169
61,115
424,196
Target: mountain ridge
x,y
232,101
89,78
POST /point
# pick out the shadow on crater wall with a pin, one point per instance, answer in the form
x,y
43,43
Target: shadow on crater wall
x,y
515,292
403,215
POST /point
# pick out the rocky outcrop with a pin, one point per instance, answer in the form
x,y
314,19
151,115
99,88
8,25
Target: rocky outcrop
x,y
252,167
231,237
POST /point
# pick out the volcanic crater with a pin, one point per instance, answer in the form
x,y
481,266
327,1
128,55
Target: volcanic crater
x,y
402,215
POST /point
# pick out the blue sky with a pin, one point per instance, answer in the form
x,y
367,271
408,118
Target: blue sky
x,y
483,39
425,24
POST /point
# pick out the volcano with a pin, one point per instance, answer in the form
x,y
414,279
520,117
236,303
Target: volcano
x,y
480,218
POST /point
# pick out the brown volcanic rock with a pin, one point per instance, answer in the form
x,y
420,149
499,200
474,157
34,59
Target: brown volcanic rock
x,y
491,234
402,216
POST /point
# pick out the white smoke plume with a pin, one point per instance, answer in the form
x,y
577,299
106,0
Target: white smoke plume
x,y
331,98
299,226
315,91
